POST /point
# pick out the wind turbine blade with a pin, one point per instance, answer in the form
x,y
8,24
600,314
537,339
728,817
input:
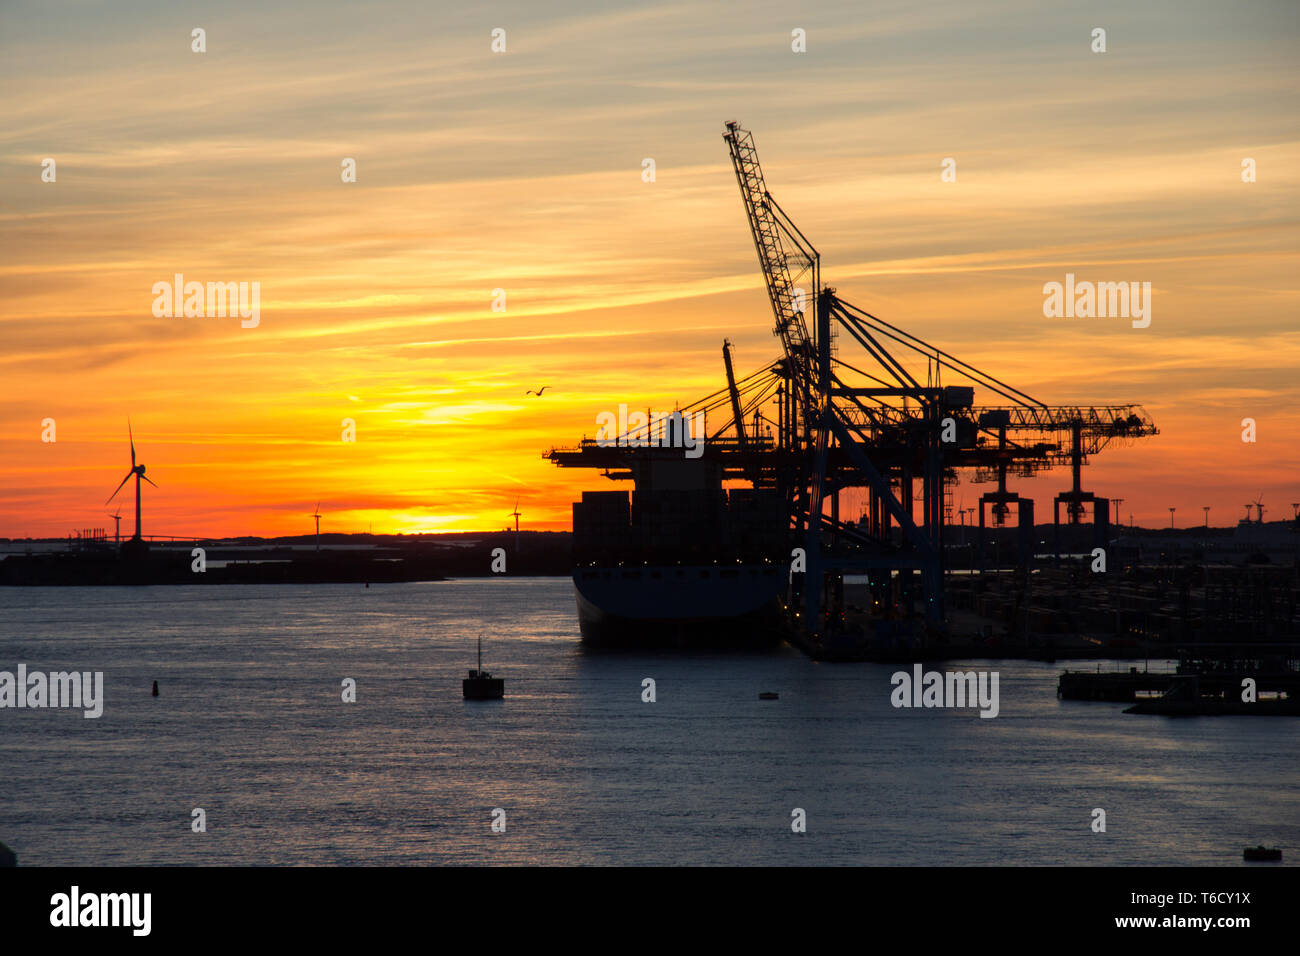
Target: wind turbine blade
x,y
131,436
149,480
119,487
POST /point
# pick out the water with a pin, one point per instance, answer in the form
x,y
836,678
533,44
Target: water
x,y
250,726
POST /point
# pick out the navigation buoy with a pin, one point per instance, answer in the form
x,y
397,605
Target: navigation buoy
x,y
155,688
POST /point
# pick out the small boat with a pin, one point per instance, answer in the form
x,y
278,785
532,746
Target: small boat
x,y
769,695
1262,854
480,685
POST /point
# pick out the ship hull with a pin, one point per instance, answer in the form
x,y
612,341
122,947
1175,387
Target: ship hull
x,y
695,606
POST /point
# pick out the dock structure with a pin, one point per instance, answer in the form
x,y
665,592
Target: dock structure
x,y
1132,610
846,406
1204,671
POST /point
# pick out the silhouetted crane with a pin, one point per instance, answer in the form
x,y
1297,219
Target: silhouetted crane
x,y
868,421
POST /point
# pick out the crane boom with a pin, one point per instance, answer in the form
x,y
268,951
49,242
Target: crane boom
x,y
735,394
783,255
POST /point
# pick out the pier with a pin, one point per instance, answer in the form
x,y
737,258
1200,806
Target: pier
x,y
1215,671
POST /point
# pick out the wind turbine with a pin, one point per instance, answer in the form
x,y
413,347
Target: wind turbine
x,y
1259,505
138,471
515,514
1249,505
1206,509
117,527
317,515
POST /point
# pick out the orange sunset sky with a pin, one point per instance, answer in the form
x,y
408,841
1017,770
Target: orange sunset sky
x,y
522,171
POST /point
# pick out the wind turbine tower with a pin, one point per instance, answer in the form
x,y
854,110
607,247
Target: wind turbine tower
x,y
138,471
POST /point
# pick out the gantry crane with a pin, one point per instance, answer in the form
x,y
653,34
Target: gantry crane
x,y
871,423
885,428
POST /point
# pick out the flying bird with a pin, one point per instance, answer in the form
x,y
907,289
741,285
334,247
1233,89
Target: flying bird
x,y
538,393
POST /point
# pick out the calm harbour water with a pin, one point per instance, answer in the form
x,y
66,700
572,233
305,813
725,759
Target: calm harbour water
x,y
251,727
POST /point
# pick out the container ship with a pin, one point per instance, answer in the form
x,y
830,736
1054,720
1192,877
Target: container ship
x,y
681,562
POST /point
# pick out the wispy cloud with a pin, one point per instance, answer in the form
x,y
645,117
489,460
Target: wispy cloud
x,y
523,172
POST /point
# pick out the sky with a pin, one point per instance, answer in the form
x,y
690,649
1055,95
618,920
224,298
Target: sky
x,y
522,171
